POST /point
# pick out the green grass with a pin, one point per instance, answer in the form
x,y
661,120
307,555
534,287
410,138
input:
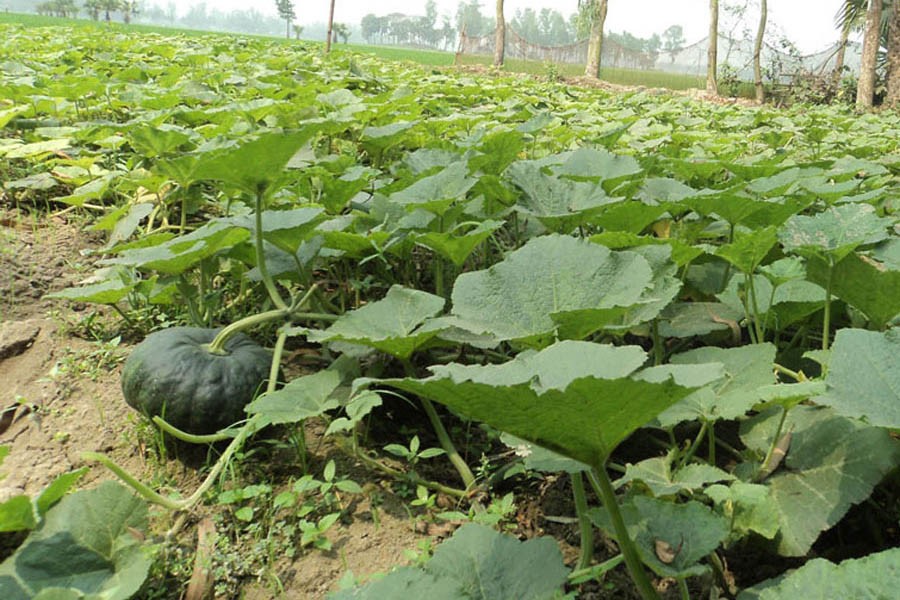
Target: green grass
x,y
433,58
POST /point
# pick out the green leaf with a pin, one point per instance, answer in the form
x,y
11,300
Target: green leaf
x,y
301,398
834,233
54,492
391,324
749,249
178,254
455,247
864,283
537,458
404,582
874,577
514,299
87,545
493,566
594,164
747,368
747,506
559,204
656,474
17,514
832,463
477,563
436,193
105,292
558,398
689,319
253,166
671,538
285,229
863,376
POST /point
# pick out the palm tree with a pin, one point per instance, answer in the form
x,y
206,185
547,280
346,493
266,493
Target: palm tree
x,y
499,36
757,50
853,15
598,10
712,86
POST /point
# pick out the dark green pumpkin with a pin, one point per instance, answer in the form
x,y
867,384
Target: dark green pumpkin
x,y
173,375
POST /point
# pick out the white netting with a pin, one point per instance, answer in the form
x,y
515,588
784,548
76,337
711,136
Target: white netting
x,y
691,60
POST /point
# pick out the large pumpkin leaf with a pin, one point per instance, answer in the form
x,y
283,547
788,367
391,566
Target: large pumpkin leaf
x,y
178,254
514,299
747,368
575,398
873,577
391,324
286,229
864,376
89,544
301,398
559,204
477,563
495,566
436,193
252,166
833,463
867,284
834,233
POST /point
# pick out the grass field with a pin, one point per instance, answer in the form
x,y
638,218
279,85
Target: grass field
x,y
653,79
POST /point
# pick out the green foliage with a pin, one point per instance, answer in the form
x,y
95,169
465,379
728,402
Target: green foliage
x,y
89,544
476,562
613,263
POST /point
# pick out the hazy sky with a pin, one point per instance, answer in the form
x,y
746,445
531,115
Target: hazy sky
x,y
808,23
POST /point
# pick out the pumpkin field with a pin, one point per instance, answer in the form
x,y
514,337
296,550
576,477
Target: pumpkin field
x,y
276,323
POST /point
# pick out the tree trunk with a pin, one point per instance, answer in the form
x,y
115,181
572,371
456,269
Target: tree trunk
x,y
499,36
893,58
841,53
757,51
599,9
330,28
865,91
712,86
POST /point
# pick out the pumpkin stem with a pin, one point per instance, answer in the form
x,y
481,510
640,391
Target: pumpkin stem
x,y
217,346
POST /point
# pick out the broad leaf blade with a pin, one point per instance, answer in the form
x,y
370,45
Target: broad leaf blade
x,y
864,376
832,464
391,324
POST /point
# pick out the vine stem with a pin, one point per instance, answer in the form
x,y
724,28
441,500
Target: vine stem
x,y
585,527
274,294
462,468
243,433
826,319
604,489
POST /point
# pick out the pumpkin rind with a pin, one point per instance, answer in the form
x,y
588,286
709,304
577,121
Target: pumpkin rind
x,y
172,374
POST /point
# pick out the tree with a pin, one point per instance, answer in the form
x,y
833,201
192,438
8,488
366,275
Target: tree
x,y
342,30
673,40
129,9
499,35
712,86
892,97
865,91
298,29
286,12
757,51
598,12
